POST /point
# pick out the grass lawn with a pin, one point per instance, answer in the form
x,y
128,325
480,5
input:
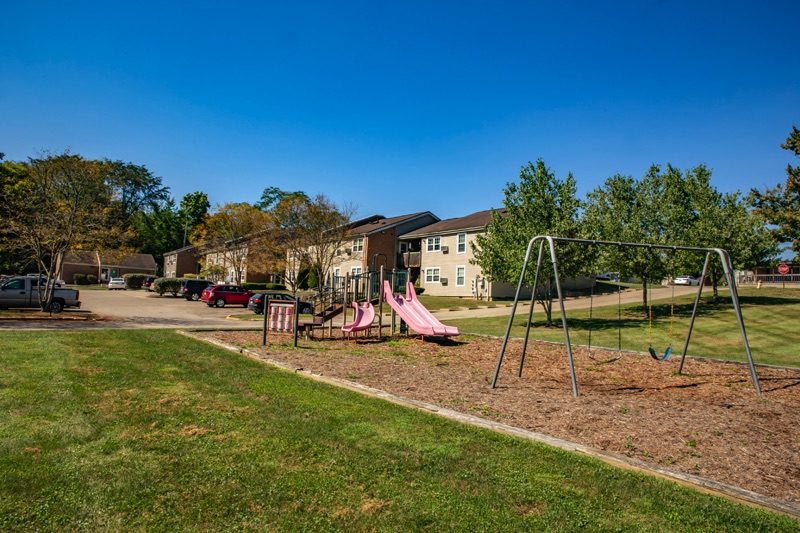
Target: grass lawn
x,y
150,431
770,316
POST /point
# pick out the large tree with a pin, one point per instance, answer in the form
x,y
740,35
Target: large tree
x,y
135,191
326,228
539,204
234,233
653,210
724,221
781,205
272,196
62,202
192,212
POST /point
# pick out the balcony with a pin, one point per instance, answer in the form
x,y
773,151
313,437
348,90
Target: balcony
x,y
409,260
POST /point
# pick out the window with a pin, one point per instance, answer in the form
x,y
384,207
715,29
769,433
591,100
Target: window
x,y
403,247
461,247
337,273
358,244
432,275
355,271
434,244
461,276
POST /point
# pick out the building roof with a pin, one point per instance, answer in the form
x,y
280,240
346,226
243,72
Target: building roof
x,y
81,257
127,260
110,258
179,250
383,223
475,221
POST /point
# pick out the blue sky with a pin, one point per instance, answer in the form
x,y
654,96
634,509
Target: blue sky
x,y
408,107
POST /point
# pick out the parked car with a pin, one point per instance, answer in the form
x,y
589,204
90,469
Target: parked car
x,y
117,284
256,303
23,291
148,282
686,280
222,295
192,289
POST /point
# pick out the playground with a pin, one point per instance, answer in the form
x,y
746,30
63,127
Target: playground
x,y
708,422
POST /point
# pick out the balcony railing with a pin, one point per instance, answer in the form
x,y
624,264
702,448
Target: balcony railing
x,y
409,260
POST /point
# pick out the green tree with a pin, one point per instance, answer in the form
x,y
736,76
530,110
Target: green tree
x,y
781,205
539,204
193,211
160,228
134,191
272,196
725,221
627,210
61,203
11,174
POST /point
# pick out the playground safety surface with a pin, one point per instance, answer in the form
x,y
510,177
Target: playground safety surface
x,y
708,422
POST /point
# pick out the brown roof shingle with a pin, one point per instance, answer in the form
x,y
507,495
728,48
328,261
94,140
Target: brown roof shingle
x,y
474,221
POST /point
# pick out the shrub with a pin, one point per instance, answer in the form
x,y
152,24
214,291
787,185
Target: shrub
x,y
255,286
190,276
171,285
135,281
91,279
79,279
275,286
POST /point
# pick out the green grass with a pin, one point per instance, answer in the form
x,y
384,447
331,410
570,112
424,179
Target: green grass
x,y
770,316
150,431
437,303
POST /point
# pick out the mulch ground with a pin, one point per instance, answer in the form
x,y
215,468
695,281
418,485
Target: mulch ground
x,y
708,422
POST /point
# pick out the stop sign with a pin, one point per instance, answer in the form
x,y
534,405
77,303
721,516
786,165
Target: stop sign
x,y
783,269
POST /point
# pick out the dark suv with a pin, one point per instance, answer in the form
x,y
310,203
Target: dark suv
x,y
256,303
192,289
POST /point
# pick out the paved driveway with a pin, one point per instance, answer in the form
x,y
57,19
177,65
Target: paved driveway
x,y
139,309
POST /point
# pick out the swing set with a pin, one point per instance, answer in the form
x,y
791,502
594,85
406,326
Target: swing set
x,y
727,267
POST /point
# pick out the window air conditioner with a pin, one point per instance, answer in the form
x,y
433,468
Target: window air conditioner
x,y
445,249
443,281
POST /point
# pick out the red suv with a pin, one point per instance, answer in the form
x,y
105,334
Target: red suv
x,y
222,295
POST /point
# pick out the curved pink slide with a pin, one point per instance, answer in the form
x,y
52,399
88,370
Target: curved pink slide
x,y
365,314
415,314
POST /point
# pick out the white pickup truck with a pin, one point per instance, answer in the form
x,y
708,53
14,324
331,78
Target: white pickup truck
x,y
23,292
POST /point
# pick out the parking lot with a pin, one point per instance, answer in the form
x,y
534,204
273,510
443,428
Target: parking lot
x,y
139,309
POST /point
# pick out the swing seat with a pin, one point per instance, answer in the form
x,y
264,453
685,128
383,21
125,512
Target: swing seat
x,y
655,356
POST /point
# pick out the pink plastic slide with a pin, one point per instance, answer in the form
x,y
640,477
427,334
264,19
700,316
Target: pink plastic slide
x,y
415,314
365,314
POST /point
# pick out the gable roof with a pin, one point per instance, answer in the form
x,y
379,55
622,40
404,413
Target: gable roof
x,y
81,257
382,224
475,221
179,250
127,260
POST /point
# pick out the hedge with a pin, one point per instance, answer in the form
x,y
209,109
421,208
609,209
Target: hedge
x,y
171,285
135,281
79,279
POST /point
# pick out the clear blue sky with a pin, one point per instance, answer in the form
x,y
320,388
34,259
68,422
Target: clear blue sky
x,y
404,107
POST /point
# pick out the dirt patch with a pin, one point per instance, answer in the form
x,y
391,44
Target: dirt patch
x,y
708,422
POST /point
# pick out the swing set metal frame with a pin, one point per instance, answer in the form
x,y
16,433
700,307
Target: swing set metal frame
x,y
727,267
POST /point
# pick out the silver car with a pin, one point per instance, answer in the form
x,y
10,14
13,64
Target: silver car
x,y
117,284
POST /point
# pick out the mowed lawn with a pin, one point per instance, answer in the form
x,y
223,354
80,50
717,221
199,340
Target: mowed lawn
x,y
151,431
771,316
